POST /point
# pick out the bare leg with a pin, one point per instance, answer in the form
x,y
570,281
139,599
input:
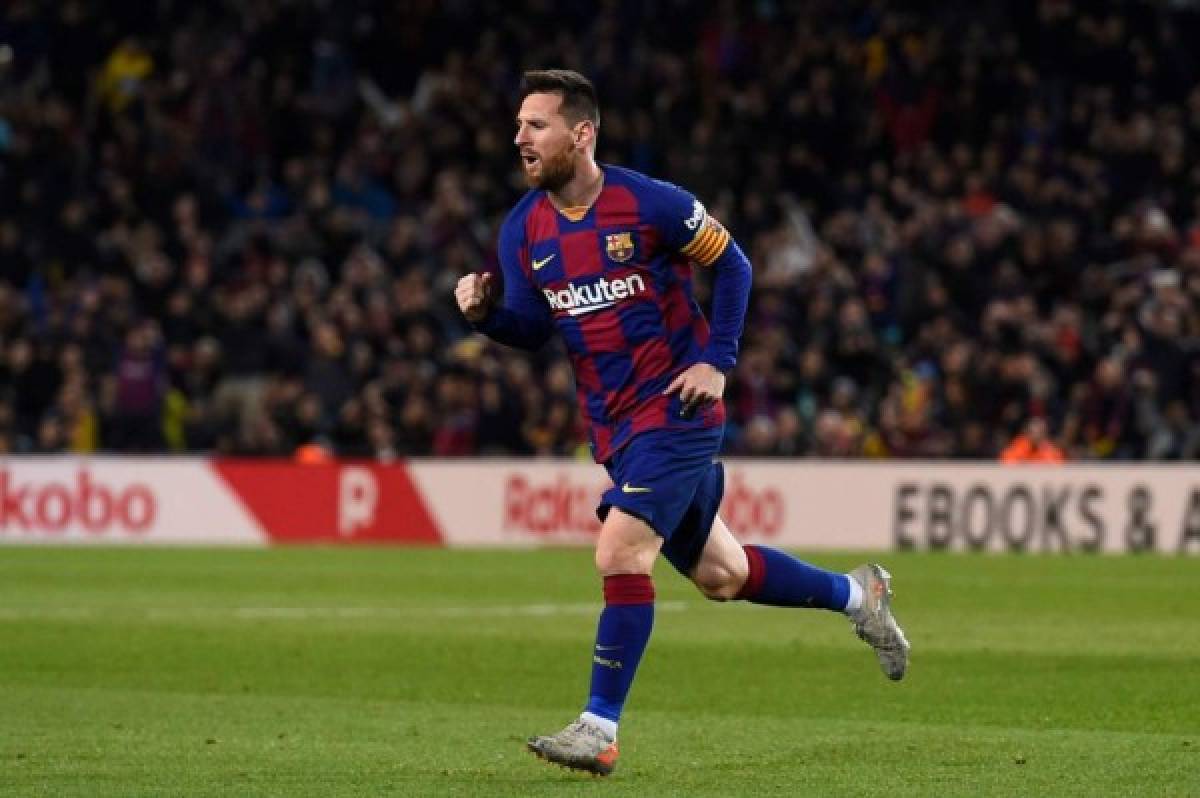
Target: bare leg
x,y
626,545
722,569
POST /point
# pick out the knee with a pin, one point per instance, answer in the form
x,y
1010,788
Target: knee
x,y
615,557
718,582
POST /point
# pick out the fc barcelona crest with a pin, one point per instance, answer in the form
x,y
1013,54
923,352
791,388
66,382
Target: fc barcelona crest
x,y
619,246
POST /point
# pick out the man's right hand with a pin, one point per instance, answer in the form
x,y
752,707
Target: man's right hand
x,y
474,295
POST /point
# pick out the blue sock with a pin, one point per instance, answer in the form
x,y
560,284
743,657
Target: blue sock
x,y
780,580
621,637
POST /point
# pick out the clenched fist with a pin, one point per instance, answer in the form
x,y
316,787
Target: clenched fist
x,y
474,295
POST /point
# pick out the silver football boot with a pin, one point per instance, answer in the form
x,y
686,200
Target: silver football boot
x,y
874,623
580,746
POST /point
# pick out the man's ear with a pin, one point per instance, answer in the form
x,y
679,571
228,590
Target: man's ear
x,y
585,133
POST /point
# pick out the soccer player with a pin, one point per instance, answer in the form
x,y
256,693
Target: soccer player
x,y
604,256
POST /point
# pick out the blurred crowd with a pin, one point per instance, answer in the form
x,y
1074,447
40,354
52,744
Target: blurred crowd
x,y
234,227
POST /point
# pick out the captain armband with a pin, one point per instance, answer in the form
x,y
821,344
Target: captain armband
x,y
709,243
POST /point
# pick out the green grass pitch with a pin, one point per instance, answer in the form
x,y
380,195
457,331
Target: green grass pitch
x,y
330,672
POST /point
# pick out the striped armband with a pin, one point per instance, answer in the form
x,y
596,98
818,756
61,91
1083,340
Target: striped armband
x,y
710,242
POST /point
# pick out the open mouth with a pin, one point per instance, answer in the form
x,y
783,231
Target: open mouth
x,y
529,158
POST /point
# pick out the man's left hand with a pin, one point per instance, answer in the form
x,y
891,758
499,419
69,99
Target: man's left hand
x,y
700,384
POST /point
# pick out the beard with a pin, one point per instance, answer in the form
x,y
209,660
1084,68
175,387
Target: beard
x,y
556,171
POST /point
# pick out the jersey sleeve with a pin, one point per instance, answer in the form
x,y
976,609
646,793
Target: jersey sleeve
x,y
522,319
685,225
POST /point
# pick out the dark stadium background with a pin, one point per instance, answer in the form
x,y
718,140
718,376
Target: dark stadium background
x,y
229,236
234,227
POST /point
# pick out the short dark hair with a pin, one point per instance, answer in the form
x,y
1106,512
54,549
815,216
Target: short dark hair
x,y
577,92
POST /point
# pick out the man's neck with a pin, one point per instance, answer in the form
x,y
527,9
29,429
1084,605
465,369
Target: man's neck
x,y
582,189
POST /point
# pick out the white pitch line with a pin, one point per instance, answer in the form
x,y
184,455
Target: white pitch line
x,y
514,611
309,613
48,613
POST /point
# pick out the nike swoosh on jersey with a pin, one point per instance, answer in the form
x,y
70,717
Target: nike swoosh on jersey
x,y
589,309
538,264
627,488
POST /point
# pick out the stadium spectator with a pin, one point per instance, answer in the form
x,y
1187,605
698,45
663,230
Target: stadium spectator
x,y
1033,445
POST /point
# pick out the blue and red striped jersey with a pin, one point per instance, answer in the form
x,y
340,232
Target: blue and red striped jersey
x,y
615,280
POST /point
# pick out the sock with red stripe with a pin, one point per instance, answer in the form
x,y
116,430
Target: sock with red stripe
x,y
621,637
780,580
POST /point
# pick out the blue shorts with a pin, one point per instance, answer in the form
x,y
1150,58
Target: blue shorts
x,y
670,478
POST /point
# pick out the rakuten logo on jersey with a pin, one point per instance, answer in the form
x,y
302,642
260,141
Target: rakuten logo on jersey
x,y
604,293
57,506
